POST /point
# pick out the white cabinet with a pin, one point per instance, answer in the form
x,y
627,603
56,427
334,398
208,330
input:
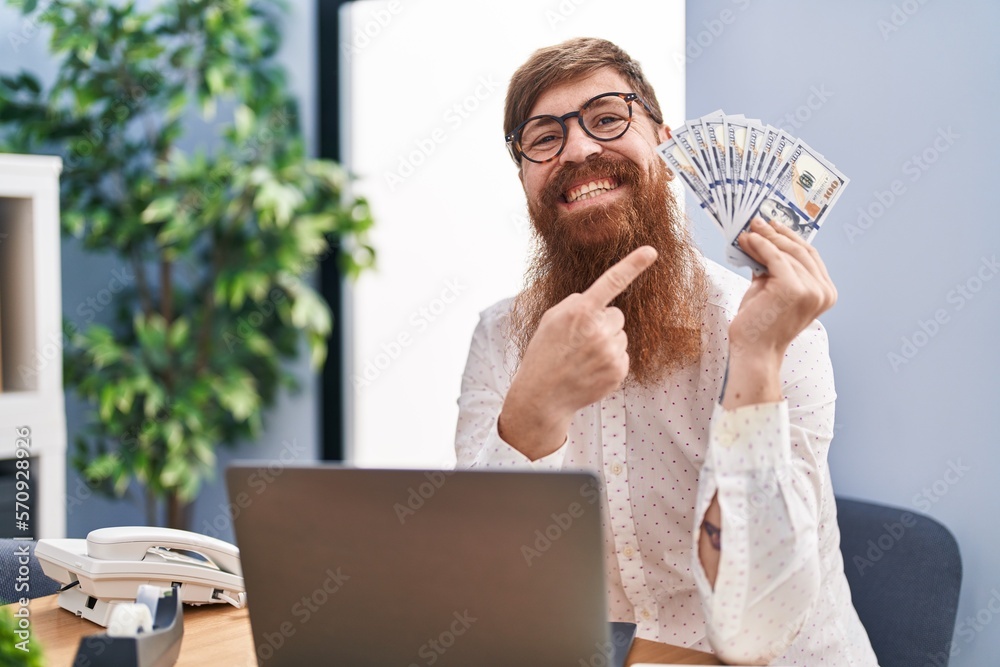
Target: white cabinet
x,y
31,391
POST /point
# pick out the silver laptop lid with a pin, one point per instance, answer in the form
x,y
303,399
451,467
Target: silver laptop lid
x,y
406,567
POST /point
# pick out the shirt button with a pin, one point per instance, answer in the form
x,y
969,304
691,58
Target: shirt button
x,y
646,614
616,468
627,552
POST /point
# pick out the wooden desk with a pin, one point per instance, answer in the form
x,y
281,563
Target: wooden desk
x,y
220,635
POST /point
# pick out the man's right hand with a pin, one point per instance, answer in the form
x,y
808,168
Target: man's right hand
x,y
576,357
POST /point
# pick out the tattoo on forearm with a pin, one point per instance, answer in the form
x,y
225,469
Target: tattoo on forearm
x,y
714,534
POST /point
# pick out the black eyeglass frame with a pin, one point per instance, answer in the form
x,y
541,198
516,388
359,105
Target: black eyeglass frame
x,y
513,139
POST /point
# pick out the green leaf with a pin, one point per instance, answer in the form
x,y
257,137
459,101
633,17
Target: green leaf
x,y
126,394
107,405
30,82
203,451
279,200
178,102
174,434
173,472
179,331
244,118
216,80
159,210
155,400
238,394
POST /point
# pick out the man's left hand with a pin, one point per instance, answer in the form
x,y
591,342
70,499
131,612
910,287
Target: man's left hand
x,y
776,308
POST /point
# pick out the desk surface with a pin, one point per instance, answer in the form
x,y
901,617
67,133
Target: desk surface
x,y
220,635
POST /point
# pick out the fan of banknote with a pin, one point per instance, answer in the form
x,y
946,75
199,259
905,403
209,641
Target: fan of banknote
x,y
739,168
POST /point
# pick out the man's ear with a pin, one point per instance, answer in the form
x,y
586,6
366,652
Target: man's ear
x,y
520,174
663,133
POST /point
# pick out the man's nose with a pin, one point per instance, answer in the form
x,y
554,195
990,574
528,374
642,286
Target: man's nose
x,y
579,145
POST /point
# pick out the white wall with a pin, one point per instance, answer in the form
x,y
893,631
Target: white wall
x,y
425,133
898,76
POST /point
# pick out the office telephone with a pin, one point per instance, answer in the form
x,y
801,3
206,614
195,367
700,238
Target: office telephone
x,y
107,568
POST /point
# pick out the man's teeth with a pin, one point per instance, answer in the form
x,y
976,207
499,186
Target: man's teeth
x,y
590,190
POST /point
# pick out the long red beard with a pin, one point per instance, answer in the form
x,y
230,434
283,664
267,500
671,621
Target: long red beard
x,y
663,307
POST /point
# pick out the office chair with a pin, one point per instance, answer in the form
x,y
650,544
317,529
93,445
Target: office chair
x,y
39,585
904,570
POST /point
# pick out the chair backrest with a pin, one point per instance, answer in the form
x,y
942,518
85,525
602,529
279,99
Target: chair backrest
x,y
14,585
905,571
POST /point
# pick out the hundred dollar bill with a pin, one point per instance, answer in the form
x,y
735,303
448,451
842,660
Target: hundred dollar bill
x,y
769,164
715,128
685,141
802,194
679,165
754,150
740,169
700,144
736,138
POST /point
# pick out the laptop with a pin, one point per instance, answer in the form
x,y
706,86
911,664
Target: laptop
x,y
357,567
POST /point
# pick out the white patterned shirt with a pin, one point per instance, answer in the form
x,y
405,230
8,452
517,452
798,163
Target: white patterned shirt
x,y
662,453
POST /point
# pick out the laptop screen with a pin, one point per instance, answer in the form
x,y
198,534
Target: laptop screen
x,y
420,567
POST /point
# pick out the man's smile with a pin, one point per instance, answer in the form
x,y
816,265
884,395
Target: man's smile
x,y
590,189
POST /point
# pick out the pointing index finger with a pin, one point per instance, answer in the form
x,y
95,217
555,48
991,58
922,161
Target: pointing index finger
x,y
615,280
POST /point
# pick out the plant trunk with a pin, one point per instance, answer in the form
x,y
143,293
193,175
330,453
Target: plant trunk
x,y
178,513
151,507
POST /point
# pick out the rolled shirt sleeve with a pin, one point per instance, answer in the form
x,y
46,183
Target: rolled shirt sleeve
x,y
763,469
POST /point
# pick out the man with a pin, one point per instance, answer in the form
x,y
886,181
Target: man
x,y
721,528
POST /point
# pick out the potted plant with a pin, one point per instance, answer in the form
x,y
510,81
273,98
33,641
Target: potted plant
x,y
17,647
219,238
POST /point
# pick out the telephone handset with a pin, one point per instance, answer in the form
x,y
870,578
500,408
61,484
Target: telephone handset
x,y
107,568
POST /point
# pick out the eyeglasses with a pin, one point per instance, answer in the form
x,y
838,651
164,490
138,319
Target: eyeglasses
x,y
604,118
